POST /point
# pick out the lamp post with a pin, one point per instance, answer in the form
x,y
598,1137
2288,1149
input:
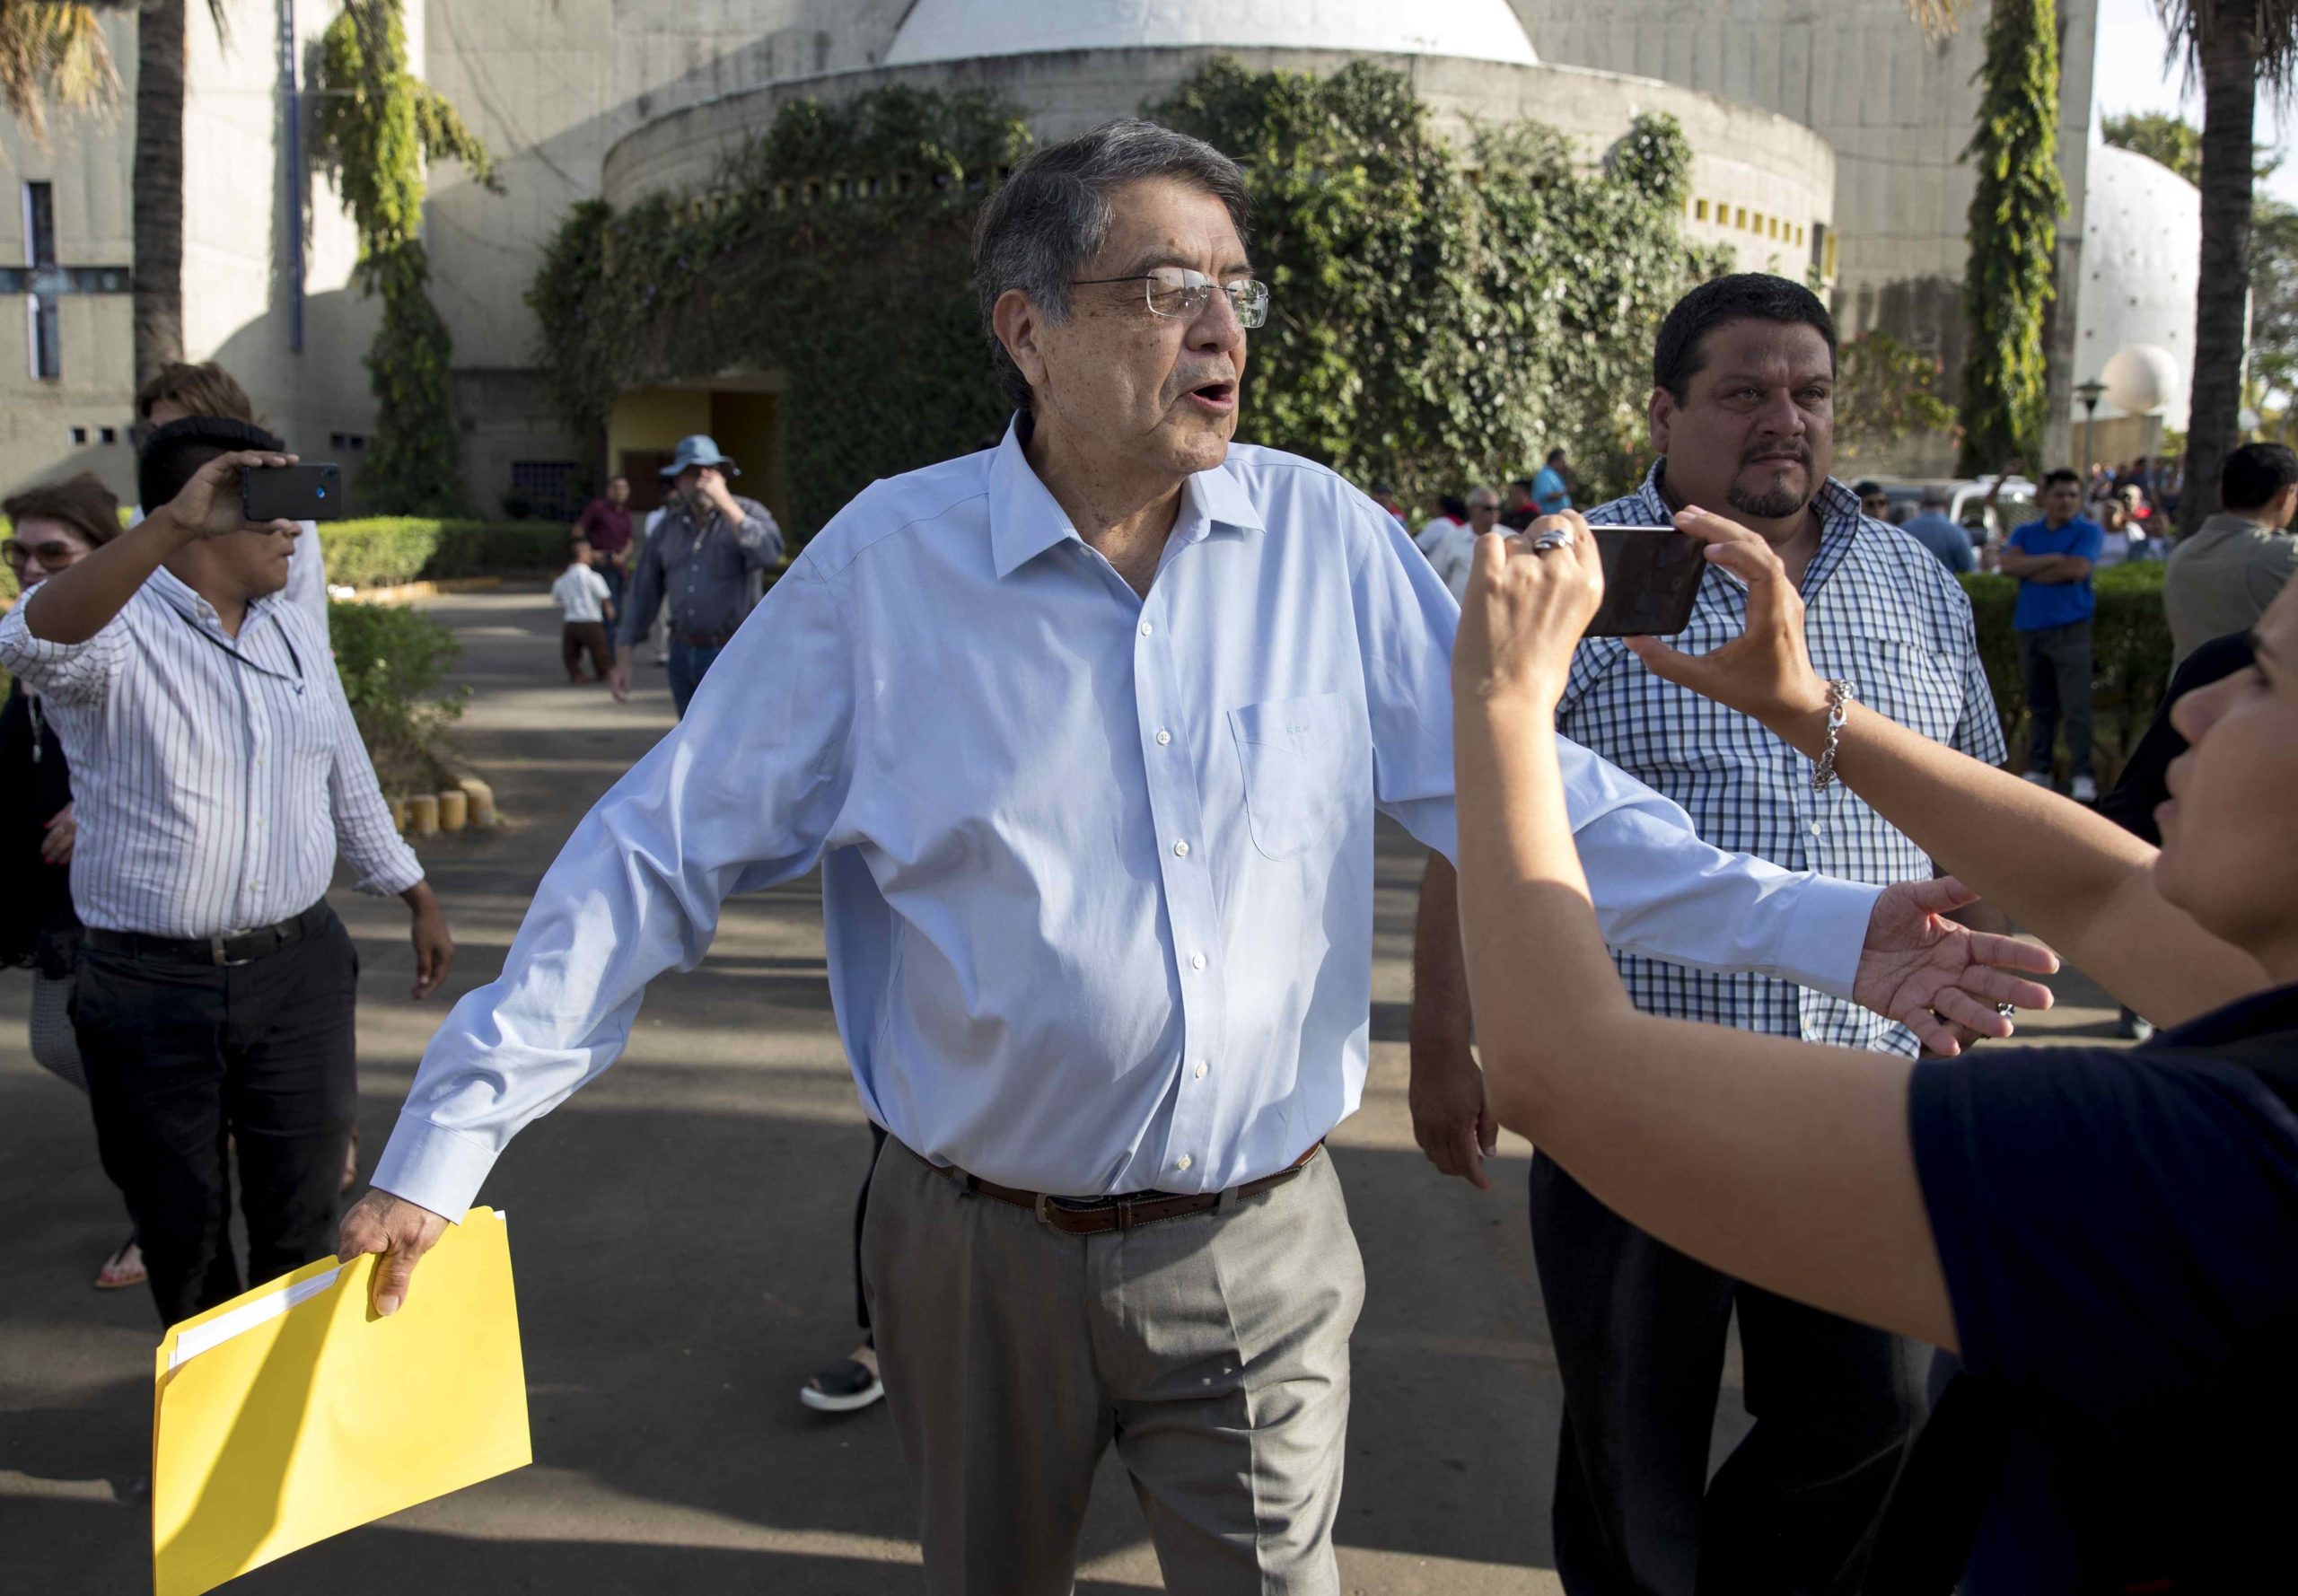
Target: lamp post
x,y
2090,393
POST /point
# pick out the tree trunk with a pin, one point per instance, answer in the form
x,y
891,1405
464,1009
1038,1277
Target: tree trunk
x,y
157,186
2227,50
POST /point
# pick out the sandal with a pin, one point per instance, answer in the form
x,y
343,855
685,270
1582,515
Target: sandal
x,y
123,1268
847,1386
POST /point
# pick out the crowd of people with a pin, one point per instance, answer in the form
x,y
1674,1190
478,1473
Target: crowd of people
x,y
1094,729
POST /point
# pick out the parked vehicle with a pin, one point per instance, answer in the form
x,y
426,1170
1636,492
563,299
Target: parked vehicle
x,y
1966,504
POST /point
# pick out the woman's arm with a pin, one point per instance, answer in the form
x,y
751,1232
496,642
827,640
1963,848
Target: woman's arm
x,y
2076,879
1784,1164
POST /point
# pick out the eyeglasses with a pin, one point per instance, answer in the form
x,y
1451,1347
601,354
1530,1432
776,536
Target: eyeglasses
x,y
1175,291
54,556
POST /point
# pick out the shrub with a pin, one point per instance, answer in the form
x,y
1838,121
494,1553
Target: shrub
x,y
393,661
2131,657
384,551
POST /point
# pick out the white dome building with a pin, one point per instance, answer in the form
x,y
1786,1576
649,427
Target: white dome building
x,y
2142,252
958,30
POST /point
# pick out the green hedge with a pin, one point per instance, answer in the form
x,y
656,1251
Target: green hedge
x,y
384,551
394,662
2131,657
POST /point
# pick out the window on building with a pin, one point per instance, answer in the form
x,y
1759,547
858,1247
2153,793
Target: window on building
x,y
1699,210
109,435
1740,216
43,336
79,434
545,486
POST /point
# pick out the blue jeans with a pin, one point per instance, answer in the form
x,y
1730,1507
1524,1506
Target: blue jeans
x,y
688,665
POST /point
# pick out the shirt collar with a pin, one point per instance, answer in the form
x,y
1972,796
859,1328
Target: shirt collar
x,y
177,593
1025,519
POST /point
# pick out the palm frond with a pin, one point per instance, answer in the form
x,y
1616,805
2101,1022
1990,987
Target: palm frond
x,y
53,55
1936,18
2272,24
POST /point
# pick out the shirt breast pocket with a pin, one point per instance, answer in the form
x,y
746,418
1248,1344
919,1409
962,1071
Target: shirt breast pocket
x,y
1911,684
1297,779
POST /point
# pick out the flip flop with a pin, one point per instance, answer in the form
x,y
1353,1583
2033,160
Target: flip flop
x,y
847,1386
118,1273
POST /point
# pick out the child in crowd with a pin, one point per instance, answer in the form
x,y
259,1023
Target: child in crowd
x,y
588,606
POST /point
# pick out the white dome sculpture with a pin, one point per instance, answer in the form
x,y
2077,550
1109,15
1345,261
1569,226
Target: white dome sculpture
x,y
2142,379
958,30
2142,256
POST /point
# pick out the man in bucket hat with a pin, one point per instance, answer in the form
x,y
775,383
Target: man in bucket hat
x,y
700,559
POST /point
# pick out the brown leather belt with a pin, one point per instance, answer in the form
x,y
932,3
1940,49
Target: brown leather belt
x,y
1095,1216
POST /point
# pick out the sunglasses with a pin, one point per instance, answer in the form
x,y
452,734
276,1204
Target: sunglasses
x,y
54,556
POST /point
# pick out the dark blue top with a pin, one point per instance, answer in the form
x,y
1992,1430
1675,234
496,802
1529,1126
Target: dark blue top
x,y
2045,604
2119,1233
1944,539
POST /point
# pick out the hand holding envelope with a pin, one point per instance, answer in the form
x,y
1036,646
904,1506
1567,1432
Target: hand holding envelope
x,y
296,1411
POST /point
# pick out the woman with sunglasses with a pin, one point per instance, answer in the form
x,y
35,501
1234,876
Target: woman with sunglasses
x,y
2106,1238
53,526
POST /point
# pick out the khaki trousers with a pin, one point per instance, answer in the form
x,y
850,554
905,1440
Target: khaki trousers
x,y
1212,1350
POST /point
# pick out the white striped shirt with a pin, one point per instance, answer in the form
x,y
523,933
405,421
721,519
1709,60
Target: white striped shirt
x,y
214,779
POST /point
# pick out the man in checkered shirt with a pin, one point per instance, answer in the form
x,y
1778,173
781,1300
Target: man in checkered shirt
x,y
1742,416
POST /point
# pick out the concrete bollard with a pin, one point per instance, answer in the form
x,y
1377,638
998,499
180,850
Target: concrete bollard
x,y
399,815
482,802
454,809
423,814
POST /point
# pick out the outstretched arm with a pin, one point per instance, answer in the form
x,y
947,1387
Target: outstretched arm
x,y
1783,1163
2078,880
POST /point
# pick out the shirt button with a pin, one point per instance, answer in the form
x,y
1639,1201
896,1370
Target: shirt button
x,y
1163,737
1146,628
1196,961
1200,1069
1183,1161
1815,828
1180,850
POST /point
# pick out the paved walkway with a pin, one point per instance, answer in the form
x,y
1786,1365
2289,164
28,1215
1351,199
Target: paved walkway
x,y
682,1243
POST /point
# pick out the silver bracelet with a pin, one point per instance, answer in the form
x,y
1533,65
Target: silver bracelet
x,y
1839,697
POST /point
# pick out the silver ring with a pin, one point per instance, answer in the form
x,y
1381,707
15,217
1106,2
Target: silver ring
x,y
2006,1009
1554,537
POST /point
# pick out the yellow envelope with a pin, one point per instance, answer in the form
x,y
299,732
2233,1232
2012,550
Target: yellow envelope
x,y
292,1413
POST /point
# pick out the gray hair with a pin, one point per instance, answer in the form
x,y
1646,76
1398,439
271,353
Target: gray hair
x,y
1052,216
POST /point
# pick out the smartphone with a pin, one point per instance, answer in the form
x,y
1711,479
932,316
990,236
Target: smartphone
x,y
1650,581
312,491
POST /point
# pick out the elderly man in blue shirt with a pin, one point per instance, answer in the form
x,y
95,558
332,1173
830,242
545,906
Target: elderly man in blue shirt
x,y
1087,735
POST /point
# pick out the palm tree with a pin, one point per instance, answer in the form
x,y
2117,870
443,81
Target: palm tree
x,y
2231,47
53,54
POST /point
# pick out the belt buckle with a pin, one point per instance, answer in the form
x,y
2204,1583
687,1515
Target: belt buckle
x,y
215,944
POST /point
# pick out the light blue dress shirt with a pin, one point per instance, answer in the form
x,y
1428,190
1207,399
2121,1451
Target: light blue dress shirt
x,y
1097,870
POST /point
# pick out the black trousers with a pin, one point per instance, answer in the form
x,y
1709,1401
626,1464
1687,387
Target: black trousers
x,y
862,1213
187,1060
1639,1332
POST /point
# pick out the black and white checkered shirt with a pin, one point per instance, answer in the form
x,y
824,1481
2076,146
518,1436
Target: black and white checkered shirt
x,y
1880,612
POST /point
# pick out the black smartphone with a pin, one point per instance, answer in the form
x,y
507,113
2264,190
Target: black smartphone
x,y
1650,581
310,491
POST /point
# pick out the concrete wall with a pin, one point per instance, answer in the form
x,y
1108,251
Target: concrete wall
x,y
1745,160
1898,109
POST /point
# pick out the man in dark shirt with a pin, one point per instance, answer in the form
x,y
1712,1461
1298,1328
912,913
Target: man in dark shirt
x,y
701,558
605,525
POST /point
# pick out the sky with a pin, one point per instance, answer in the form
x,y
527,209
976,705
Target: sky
x,y
2129,75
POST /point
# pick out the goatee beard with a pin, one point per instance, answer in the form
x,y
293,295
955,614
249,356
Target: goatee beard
x,y
1776,505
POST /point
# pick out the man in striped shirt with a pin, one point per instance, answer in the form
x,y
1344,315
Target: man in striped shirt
x,y
217,777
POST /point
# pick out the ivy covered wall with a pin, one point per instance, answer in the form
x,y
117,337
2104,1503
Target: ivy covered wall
x,y
1442,315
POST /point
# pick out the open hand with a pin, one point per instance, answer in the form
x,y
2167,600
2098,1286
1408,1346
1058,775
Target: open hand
x,y
1939,979
1526,610
1765,672
402,1231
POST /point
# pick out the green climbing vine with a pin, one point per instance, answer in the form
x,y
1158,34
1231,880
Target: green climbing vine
x,y
1441,314
375,124
2014,231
